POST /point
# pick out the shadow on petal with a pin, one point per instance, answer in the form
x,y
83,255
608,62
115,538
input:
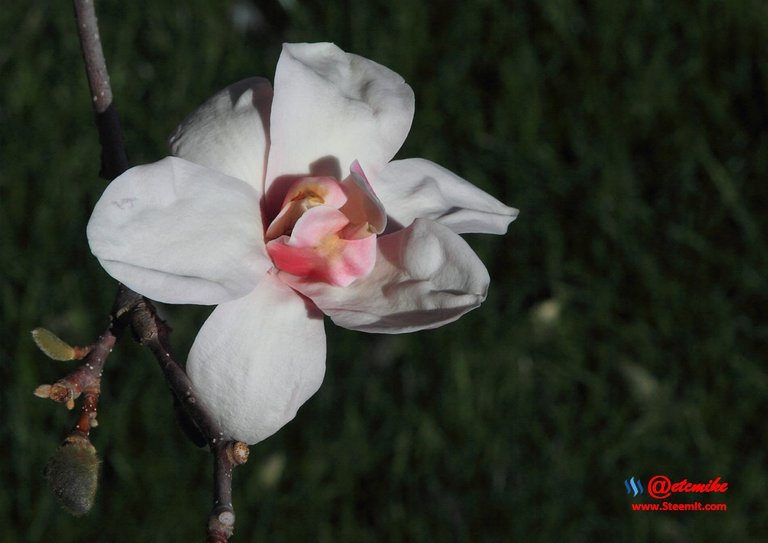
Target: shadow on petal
x,y
327,166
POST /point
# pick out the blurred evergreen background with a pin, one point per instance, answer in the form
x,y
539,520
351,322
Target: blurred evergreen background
x,y
624,333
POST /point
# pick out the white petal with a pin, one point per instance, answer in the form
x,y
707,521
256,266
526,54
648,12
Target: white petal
x,y
180,233
417,188
256,360
337,107
425,276
230,132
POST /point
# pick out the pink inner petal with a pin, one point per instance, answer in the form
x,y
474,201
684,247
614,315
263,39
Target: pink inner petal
x,y
363,206
305,193
317,249
316,225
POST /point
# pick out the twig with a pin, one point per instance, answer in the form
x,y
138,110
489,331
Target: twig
x,y
147,327
113,157
86,378
150,330
221,522
73,470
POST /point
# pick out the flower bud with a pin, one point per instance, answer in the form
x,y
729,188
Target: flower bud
x,y
53,346
73,472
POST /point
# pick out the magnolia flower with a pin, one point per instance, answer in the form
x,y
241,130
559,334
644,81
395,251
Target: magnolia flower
x,y
282,206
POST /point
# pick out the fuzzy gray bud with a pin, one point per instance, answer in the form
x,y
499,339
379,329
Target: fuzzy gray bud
x,y
73,473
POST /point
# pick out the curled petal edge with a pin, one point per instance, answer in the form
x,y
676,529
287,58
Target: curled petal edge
x,y
425,276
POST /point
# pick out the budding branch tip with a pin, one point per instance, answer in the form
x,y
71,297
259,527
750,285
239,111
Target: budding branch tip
x,y
43,391
237,452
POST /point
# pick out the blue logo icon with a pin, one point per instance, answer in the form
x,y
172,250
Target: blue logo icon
x,y
634,486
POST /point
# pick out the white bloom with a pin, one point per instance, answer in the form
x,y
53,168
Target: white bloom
x,y
256,213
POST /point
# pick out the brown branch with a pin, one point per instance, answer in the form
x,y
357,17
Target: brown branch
x,y
72,472
89,411
131,307
150,330
87,377
221,522
113,157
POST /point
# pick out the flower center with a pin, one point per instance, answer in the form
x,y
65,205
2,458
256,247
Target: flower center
x,y
326,229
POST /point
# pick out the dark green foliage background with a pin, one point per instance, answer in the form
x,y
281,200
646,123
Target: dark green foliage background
x,y
631,135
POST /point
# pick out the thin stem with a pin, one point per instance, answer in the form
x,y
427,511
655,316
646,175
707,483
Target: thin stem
x,y
150,330
113,158
221,522
88,414
94,365
86,379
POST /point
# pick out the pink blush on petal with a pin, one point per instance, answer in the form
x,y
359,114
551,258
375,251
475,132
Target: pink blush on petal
x,y
353,258
316,224
300,261
317,250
